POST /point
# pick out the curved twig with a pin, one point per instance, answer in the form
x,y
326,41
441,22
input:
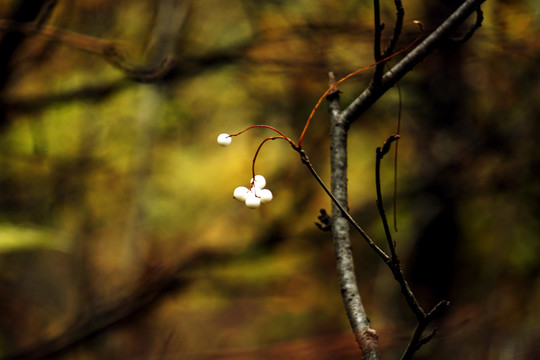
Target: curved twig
x,y
477,24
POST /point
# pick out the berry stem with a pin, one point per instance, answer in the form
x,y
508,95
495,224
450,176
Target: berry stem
x,y
333,87
283,137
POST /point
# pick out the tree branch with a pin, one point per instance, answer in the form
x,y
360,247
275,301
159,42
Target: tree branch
x,y
340,123
378,28
394,264
417,340
380,152
398,26
441,34
366,337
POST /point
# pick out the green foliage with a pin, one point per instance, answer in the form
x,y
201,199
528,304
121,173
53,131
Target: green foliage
x,y
13,238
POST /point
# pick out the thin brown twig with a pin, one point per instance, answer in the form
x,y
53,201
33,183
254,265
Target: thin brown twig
x,y
398,132
423,319
417,340
398,26
394,264
475,26
378,28
380,152
391,45
358,228
282,137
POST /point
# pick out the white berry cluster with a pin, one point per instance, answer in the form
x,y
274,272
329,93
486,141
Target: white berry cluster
x,y
256,195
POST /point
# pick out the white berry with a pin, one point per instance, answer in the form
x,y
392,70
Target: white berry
x,y
224,139
240,193
265,195
252,201
260,182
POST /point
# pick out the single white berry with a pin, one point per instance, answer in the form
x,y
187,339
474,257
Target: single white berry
x,y
259,182
265,195
252,201
240,193
224,139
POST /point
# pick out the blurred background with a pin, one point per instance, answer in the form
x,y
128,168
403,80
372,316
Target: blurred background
x,y
119,237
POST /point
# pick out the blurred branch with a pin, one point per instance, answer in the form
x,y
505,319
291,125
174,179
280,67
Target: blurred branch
x,y
188,66
32,104
155,284
106,48
441,34
24,11
79,41
169,21
103,319
45,13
